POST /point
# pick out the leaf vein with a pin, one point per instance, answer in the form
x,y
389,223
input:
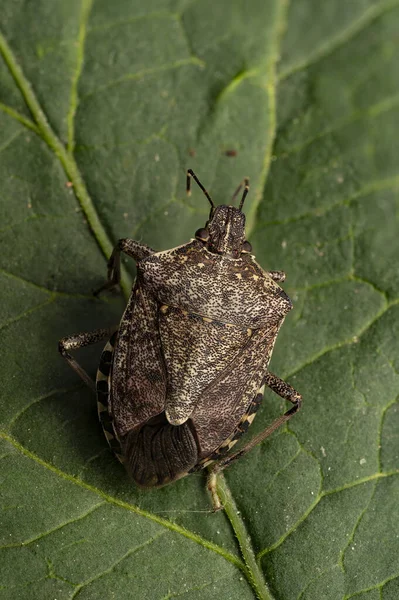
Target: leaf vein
x,y
128,20
317,500
348,342
69,164
74,100
41,288
192,60
252,570
131,551
27,312
351,536
328,47
122,504
378,586
194,589
377,185
11,112
371,112
10,140
54,529
271,90
46,396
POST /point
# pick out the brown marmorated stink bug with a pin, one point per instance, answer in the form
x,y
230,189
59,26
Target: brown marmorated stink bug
x,y
182,377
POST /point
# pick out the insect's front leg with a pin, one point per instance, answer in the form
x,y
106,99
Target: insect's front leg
x,y
134,249
284,390
277,276
79,340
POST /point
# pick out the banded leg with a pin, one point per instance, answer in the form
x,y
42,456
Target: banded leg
x,y
284,390
134,249
277,276
79,340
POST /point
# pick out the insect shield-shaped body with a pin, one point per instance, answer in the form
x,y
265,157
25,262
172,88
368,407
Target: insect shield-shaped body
x,y
182,377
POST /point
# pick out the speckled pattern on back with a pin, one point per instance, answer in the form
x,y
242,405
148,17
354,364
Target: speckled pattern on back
x,y
193,348
182,378
195,340
242,428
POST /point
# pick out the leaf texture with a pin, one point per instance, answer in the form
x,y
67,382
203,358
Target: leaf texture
x,y
103,105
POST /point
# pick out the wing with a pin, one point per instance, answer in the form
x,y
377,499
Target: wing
x,y
226,399
138,374
196,350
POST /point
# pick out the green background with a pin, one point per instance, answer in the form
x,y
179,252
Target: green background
x,y
119,98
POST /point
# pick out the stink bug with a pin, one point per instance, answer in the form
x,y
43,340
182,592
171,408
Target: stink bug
x,y
182,377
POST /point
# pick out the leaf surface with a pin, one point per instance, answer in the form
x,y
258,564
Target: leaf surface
x,y
102,108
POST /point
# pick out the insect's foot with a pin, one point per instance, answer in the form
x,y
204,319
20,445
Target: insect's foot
x,y
108,286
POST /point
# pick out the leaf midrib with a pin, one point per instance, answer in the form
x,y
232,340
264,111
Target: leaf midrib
x,y
121,504
66,158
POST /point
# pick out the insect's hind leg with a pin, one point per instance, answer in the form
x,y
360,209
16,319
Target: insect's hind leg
x,y
79,340
284,390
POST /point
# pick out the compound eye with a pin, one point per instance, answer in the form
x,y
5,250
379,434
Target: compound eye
x,y
246,248
202,234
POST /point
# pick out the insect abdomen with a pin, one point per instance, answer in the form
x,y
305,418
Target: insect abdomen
x,y
154,453
103,390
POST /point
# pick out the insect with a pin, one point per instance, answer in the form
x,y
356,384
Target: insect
x,y
182,377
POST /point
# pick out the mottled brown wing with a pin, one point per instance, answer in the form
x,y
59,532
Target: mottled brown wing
x,y
226,399
138,377
196,350
159,452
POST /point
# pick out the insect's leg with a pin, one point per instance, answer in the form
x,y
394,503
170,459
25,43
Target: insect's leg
x,y
278,276
134,249
284,390
79,340
212,483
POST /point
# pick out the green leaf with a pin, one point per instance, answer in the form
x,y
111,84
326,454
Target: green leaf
x,y
103,105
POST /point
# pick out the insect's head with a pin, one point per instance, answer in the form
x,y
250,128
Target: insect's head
x,y
224,232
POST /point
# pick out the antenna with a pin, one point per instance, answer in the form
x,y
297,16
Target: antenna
x,y
190,173
245,192
245,181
